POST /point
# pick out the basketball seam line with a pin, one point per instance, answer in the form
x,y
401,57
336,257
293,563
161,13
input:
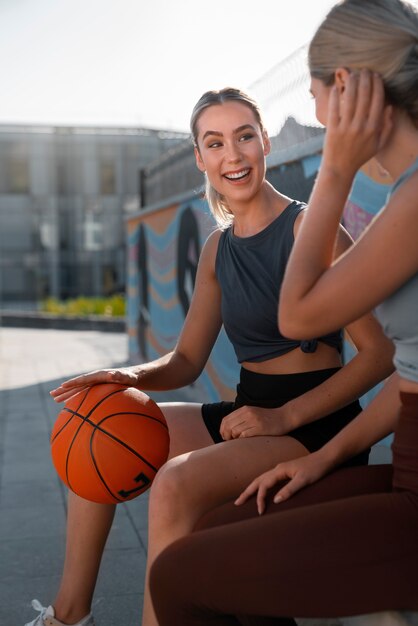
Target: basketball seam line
x,y
99,475
109,396
98,427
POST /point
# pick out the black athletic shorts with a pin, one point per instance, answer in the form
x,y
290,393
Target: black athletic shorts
x,y
274,390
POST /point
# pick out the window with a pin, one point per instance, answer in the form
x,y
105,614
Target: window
x,y
18,175
93,232
14,166
107,178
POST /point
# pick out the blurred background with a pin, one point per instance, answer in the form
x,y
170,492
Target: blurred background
x,y
102,211
95,95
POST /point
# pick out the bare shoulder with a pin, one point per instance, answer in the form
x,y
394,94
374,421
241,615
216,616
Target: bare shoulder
x,y
298,221
210,247
401,208
211,242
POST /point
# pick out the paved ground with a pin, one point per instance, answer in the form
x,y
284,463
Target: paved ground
x,y
33,500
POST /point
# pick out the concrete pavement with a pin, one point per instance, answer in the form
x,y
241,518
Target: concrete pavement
x,y
33,499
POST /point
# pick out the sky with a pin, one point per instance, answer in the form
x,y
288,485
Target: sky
x,y
139,62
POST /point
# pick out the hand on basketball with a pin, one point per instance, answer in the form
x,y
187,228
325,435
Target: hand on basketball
x,y
67,389
299,473
253,421
108,443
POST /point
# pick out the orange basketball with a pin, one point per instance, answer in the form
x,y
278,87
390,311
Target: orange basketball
x,y
108,443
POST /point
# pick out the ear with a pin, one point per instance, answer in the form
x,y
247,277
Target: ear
x,y
199,162
341,77
266,143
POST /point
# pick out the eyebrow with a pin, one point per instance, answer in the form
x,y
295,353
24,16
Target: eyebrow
x,y
217,133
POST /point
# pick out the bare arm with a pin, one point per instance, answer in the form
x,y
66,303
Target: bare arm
x,y
371,364
182,365
318,294
377,420
201,327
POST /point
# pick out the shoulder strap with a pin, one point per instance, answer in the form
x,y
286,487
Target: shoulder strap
x,y
403,177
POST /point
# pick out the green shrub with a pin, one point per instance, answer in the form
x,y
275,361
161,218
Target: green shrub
x,y
114,306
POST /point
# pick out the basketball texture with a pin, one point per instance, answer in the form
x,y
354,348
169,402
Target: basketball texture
x,y
108,443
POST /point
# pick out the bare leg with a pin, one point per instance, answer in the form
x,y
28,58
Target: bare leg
x,y
186,427
193,483
88,523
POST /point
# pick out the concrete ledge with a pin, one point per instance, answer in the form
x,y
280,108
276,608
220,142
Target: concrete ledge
x,y
24,319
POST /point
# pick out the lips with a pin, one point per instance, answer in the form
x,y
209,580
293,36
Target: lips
x,y
238,175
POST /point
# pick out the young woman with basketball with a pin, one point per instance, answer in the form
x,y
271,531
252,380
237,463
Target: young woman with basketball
x,y
348,544
293,396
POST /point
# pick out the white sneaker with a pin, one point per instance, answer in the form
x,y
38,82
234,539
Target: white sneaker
x,y
47,617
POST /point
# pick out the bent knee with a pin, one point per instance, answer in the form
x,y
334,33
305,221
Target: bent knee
x,y
172,485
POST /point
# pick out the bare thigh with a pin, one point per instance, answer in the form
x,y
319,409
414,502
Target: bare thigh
x,y
199,480
186,427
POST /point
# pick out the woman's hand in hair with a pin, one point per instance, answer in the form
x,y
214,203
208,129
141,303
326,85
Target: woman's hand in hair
x,y
253,421
358,122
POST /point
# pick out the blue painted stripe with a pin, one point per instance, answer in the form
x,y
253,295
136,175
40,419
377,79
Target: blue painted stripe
x,y
368,194
310,165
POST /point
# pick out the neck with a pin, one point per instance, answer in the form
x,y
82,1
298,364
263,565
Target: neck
x,y
401,148
252,217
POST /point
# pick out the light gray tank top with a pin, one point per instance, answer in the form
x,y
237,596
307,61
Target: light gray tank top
x,y
398,314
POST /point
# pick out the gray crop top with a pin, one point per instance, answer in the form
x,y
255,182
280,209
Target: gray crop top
x,y
398,314
250,272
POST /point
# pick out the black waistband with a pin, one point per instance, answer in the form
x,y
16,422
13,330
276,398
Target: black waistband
x,y
273,390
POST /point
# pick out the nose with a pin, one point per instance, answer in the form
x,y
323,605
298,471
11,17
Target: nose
x,y
233,153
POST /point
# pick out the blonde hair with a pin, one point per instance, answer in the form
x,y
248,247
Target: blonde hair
x,y
217,203
380,35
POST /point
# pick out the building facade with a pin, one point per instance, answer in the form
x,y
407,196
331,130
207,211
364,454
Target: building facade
x,y
64,195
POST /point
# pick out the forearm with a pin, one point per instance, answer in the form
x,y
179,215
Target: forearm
x,y
313,255
171,371
314,250
374,423
319,295
365,370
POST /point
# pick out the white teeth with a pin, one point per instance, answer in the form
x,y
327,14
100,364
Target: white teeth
x,y
237,175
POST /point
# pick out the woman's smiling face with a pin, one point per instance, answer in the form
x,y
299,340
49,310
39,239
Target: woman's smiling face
x,y
231,149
